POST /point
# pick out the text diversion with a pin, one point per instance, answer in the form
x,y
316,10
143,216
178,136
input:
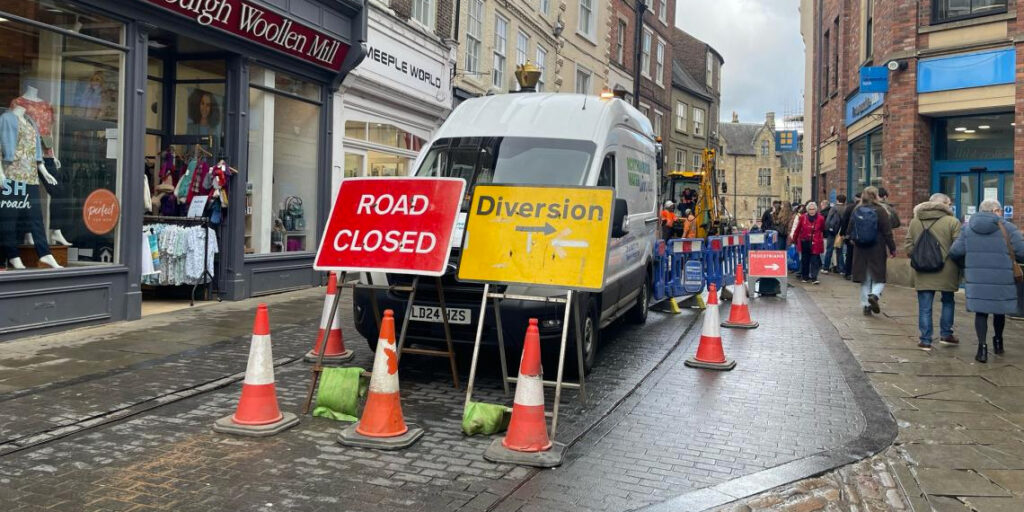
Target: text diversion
x,y
391,240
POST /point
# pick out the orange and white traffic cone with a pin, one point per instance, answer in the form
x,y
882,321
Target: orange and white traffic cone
x,y
382,425
257,414
527,439
739,311
335,351
710,354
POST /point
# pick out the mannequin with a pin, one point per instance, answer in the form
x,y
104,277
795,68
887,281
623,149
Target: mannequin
x,y
23,166
41,114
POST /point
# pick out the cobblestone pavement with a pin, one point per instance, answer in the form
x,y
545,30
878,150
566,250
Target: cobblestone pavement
x,y
650,430
961,424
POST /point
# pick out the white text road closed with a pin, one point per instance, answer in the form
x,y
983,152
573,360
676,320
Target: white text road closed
x,y
391,225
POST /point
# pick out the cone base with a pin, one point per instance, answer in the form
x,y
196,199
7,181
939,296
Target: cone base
x,y
729,364
349,437
345,357
226,425
546,459
734,325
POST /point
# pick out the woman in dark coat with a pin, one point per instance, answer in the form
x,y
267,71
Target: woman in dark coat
x,y
985,252
869,261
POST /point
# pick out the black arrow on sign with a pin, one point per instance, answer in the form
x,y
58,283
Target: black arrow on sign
x,y
547,229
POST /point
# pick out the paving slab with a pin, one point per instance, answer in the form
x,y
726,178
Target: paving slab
x,y
952,482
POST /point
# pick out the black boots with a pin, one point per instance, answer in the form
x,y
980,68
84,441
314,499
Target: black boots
x,y
982,355
997,345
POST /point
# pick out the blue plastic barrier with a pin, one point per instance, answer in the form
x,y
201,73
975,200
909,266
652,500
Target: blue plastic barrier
x,y
688,266
661,271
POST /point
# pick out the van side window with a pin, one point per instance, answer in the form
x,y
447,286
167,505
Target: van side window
x,y
607,176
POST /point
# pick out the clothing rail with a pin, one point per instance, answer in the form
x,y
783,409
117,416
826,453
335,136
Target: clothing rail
x,y
206,278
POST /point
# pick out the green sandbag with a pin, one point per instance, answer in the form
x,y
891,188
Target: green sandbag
x,y
483,418
338,395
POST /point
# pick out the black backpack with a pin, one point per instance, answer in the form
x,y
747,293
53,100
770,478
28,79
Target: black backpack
x,y
927,254
865,226
834,220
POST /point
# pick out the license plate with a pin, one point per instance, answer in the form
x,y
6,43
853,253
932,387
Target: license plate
x,y
433,314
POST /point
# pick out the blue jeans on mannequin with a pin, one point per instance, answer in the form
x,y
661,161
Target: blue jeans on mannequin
x,y
925,298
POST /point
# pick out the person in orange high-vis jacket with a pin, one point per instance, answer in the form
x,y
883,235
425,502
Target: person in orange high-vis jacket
x,y
690,225
667,220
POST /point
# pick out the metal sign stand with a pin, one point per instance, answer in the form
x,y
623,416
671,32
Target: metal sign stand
x,y
571,308
317,368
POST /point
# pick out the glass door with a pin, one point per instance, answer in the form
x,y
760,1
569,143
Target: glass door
x,y
969,189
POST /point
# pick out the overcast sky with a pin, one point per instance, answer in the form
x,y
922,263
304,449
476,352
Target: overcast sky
x,y
764,54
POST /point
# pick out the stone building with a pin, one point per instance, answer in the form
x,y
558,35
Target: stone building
x,y
946,121
704,64
690,134
568,41
751,168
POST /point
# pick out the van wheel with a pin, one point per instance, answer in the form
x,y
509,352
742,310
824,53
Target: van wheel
x,y
638,313
591,339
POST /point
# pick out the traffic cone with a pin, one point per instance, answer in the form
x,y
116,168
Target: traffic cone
x,y
335,351
382,425
527,440
257,413
739,312
710,354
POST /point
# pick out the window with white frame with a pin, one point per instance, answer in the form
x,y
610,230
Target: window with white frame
x,y
545,6
680,159
522,44
659,62
500,42
663,10
645,57
474,32
709,73
696,163
620,43
698,121
423,12
542,60
764,177
645,110
582,80
586,24
764,148
681,116
763,204
659,118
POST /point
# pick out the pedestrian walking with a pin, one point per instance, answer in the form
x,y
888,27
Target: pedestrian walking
x,y
833,224
768,218
872,241
847,244
989,249
809,237
929,237
782,220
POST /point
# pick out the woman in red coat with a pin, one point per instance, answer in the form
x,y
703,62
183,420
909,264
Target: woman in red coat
x,y
810,239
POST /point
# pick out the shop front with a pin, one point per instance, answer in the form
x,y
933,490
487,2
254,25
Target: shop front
x,y
972,160
392,104
864,151
156,150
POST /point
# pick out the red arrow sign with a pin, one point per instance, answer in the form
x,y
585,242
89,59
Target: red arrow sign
x,y
401,225
767,263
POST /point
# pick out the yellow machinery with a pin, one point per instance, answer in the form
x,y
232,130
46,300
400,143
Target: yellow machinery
x,y
710,210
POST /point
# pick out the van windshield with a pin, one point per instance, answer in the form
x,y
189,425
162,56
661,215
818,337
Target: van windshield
x,y
509,160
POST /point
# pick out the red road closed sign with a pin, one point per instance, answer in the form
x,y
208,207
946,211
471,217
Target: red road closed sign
x,y
401,225
767,264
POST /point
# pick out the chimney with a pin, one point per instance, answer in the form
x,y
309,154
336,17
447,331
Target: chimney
x,y
769,119
735,117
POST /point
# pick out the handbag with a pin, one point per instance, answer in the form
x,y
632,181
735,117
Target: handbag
x,y
1018,274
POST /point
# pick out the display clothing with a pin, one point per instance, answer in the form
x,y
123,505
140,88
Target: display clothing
x,y
180,252
60,214
22,150
41,113
20,213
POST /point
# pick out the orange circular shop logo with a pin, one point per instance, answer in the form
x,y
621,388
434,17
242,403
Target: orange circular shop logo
x,y
101,211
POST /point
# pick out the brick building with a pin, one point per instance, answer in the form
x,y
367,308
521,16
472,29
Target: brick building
x,y
946,122
621,45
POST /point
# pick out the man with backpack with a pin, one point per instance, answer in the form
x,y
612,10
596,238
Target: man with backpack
x,y
871,236
833,224
846,263
930,235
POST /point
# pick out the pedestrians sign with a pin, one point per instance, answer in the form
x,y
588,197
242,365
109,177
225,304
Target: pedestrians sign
x,y
391,225
548,236
767,264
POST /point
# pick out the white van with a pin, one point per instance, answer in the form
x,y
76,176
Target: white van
x,y
539,139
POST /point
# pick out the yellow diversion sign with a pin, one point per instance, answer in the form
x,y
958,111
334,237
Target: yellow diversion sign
x,y
548,236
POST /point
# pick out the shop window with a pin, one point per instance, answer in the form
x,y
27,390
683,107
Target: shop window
x,y
199,95
355,130
284,152
354,165
386,164
60,105
950,10
866,162
985,137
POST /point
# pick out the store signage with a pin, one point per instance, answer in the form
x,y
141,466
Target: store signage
x,y
14,195
101,211
263,26
546,236
401,63
786,140
967,70
767,264
861,105
401,225
874,79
